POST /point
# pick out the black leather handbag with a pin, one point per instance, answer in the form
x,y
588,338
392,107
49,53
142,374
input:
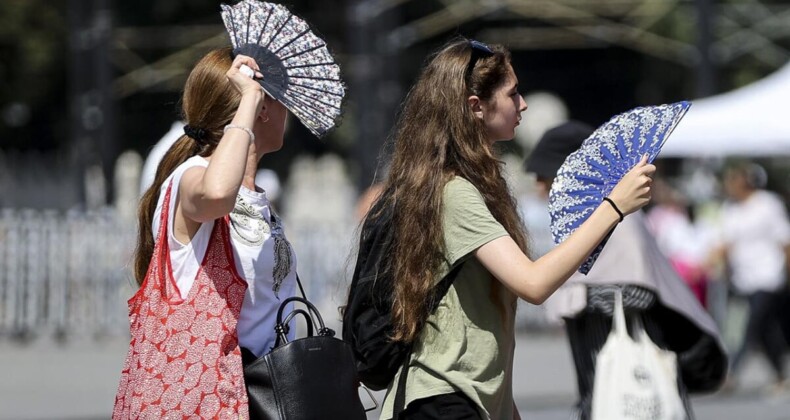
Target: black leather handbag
x,y
308,378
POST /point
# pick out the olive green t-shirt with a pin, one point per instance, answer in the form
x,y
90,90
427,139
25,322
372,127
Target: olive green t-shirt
x,y
467,344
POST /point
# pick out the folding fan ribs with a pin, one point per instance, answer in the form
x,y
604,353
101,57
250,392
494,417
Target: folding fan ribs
x,y
590,173
297,68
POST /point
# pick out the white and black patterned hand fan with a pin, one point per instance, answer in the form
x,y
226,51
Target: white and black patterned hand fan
x,y
590,173
298,70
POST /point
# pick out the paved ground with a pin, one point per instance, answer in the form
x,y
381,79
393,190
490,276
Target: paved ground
x,y
544,385
45,380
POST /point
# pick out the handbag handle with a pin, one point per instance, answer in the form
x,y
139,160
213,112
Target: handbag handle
x,y
282,332
619,324
639,330
282,327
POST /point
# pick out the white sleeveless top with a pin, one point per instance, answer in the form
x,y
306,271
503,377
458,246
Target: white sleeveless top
x,y
263,256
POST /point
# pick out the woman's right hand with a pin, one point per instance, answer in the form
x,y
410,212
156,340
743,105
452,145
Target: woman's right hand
x,y
240,81
633,191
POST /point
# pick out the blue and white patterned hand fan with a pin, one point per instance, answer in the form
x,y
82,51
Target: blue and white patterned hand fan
x,y
590,173
298,70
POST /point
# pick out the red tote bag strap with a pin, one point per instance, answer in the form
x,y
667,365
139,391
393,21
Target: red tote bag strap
x,y
165,276
160,273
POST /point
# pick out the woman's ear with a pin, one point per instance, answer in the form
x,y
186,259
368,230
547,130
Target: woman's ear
x,y
264,114
476,105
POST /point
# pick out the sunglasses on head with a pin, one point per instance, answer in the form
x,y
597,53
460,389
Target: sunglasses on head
x,y
478,50
479,46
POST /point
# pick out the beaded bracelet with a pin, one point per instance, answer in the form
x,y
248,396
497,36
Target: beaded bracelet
x,y
245,129
614,206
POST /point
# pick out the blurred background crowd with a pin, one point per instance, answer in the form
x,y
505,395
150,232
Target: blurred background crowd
x,y
89,87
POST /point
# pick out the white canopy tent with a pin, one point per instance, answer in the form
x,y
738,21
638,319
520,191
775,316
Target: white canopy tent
x,y
750,121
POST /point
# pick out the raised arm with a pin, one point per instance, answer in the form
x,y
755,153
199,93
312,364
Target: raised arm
x,y
209,193
535,281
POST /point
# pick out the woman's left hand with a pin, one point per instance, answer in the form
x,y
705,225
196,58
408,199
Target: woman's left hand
x,y
633,191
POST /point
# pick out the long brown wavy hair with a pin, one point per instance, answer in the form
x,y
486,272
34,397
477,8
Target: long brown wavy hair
x,y
436,138
209,103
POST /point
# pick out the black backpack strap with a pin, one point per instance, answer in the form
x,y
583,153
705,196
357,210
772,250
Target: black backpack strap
x,y
444,286
400,392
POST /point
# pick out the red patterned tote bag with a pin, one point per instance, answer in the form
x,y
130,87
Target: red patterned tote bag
x,y
184,359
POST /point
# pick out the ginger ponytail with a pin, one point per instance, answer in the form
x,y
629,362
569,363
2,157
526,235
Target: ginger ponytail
x,y
208,104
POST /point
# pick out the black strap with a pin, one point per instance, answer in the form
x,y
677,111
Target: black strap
x,y
400,392
282,332
282,327
299,282
444,286
614,206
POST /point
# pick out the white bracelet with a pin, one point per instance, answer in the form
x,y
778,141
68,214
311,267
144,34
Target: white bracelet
x,y
245,129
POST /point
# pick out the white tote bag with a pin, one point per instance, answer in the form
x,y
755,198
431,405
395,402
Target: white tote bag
x,y
634,379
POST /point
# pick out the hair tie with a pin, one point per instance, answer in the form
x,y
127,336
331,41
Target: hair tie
x,y
614,206
198,134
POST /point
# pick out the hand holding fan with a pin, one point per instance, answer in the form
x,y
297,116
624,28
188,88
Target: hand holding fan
x,y
247,71
590,173
298,70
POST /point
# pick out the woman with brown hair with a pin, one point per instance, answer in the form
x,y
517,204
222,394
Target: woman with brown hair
x,y
452,206
212,261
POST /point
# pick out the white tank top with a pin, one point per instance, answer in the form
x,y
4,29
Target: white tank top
x,y
263,256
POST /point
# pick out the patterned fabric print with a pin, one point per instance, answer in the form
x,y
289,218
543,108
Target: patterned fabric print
x,y
282,255
245,217
590,173
600,299
247,224
314,91
184,359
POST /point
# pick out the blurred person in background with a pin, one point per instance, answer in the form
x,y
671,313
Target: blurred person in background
x,y
452,207
156,153
366,200
755,241
212,260
678,238
631,262
265,178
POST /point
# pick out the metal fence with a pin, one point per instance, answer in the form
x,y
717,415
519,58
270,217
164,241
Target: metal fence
x,y
62,273
68,274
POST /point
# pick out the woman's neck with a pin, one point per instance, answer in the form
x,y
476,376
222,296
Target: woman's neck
x,y
251,169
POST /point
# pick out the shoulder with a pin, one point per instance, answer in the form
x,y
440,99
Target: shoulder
x,y
467,221
464,206
460,189
768,202
461,199
193,162
175,177
459,184
768,197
